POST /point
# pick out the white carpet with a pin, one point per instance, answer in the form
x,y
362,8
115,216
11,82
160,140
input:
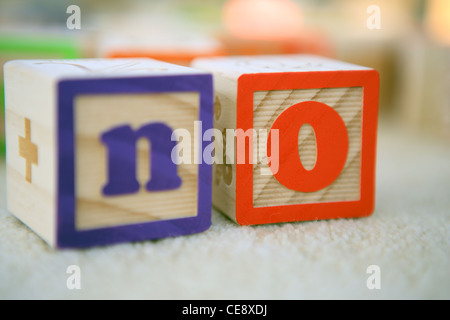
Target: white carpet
x,y
408,237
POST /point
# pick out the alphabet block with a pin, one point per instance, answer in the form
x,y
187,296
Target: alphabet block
x,y
305,130
90,149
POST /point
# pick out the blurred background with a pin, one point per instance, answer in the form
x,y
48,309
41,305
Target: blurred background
x,y
407,41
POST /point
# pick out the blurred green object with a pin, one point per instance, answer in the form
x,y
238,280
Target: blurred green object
x,y
32,46
60,46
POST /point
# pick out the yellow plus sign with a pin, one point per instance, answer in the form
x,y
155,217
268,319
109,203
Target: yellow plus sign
x,y
28,150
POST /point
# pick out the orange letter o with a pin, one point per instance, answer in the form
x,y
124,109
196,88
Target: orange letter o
x,y
331,140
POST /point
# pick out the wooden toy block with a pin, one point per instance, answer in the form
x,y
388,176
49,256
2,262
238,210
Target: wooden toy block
x,y
304,143
90,146
20,45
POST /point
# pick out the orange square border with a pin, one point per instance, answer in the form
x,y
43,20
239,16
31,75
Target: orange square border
x,y
246,214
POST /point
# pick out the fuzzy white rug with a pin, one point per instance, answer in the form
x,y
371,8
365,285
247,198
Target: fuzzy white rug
x,y
408,238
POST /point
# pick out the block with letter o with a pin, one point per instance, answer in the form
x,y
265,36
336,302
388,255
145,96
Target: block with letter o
x,y
309,127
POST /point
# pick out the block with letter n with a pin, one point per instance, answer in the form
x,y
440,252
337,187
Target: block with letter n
x,y
91,149
305,137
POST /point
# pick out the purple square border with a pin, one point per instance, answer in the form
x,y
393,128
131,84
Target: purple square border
x,y
66,234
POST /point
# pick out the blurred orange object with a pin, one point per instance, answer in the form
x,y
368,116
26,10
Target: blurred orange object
x,y
437,20
311,41
269,20
174,49
255,27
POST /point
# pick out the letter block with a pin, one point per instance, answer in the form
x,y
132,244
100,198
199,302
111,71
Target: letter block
x,y
307,126
90,149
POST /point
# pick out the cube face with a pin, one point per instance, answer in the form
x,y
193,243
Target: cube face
x,y
263,99
93,164
94,209
86,214
269,105
30,124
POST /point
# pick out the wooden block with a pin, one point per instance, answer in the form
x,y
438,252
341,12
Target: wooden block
x,y
89,149
321,165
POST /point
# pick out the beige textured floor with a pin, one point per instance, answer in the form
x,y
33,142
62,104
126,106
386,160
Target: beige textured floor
x,y
408,237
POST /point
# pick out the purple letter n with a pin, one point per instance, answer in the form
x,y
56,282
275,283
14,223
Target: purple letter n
x,y
121,144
